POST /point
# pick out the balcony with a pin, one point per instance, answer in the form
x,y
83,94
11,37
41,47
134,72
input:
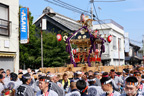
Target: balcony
x,y
107,21
5,27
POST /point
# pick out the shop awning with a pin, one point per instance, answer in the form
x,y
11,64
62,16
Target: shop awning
x,y
7,54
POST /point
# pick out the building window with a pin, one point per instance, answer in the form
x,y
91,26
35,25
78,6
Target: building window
x,y
119,43
114,43
4,20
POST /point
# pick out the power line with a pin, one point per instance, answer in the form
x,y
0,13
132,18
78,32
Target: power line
x,y
98,18
111,1
59,1
68,7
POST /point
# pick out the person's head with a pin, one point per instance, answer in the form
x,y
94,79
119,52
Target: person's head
x,y
91,80
29,70
43,82
138,76
112,73
90,72
85,76
106,83
8,72
0,70
131,73
13,76
97,75
20,71
131,86
55,78
118,74
33,71
26,78
1,77
48,73
4,74
39,72
73,85
58,77
81,85
52,77
105,74
125,72
78,74
65,77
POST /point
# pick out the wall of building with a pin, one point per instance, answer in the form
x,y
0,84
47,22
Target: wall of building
x,y
117,56
13,39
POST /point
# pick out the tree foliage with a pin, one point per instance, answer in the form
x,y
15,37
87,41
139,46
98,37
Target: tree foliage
x,y
54,51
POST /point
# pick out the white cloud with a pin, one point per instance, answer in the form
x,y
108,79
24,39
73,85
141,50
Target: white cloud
x,y
134,9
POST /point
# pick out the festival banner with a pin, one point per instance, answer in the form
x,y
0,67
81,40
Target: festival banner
x,y
24,25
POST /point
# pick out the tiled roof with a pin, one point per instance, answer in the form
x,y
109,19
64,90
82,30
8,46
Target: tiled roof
x,y
65,21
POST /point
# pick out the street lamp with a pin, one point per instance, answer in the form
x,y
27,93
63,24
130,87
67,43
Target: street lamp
x,y
47,11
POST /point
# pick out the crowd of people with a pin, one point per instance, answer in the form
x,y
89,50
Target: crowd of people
x,y
130,82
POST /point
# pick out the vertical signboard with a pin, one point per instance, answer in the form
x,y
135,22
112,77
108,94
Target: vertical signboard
x,y
44,22
126,34
24,25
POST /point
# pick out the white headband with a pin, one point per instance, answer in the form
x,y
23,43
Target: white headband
x,y
108,81
51,75
89,80
131,83
97,74
131,74
124,71
79,72
44,80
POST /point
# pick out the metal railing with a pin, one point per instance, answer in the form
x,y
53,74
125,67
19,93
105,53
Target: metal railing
x,y
107,21
4,27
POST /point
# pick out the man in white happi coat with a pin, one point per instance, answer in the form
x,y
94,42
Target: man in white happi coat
x,y
107,87
44,87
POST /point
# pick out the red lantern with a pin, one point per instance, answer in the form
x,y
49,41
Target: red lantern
x,y
59,37
74,51
82,17
96,50
96,33
109,39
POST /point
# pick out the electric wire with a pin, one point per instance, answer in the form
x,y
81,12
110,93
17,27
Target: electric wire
x,y
59,1
67,7
98,18
111,1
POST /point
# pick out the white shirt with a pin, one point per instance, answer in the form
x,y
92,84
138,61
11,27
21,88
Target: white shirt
x,y
114,94
125,95
16,84
74,93
51,93
95,90
1,88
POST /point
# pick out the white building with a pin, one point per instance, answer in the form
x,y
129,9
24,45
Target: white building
x,y
9,34
114,51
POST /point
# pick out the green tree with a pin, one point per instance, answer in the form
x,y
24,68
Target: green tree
x,y
29,53
54,51
55,54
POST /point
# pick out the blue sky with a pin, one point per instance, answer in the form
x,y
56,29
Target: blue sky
x,y
129,14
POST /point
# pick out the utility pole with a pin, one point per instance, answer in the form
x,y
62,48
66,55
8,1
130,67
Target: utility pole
x,y
41,45
119,51
143,48
92,1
